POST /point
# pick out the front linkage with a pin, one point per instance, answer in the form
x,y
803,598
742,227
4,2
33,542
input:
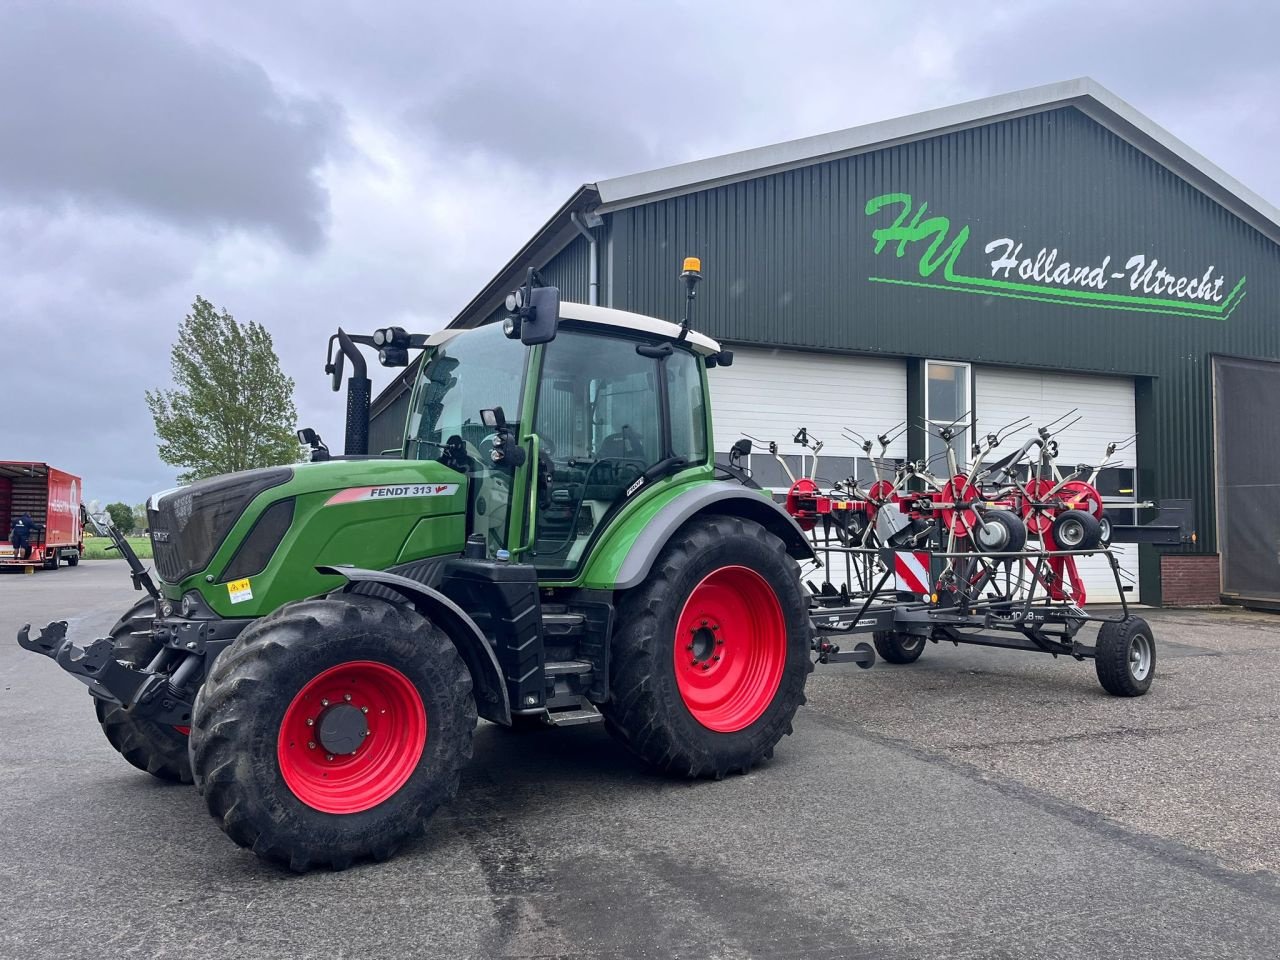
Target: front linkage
x,y
163,692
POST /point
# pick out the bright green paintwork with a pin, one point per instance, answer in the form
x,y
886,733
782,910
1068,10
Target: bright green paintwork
x,y
611,549
374,534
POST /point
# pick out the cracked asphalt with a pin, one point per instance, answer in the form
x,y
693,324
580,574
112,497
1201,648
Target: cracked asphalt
x,y
978,803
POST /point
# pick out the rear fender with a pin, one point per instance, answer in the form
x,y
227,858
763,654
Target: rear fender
x,y
720,498
492,702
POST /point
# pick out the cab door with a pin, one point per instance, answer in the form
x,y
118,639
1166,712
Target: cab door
x,y
605,415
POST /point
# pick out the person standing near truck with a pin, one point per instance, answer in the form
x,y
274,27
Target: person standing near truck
x,y
20,537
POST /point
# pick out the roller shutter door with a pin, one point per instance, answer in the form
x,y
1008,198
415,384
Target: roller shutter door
x,y
1105,408
769,394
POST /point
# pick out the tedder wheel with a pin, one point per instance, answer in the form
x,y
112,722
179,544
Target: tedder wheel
x,y
1125,657
1000,531
1076,530
898,647
330,731
157,748
712,652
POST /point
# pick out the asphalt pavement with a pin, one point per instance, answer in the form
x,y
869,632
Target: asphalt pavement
x,y
978,803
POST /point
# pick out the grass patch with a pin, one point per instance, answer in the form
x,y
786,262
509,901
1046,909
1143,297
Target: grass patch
x,y
100,548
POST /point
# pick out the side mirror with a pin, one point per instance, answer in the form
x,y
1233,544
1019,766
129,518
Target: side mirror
x,y
725,358
534,312
741,448
543,318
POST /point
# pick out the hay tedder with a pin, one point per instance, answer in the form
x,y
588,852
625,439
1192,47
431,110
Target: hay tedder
x,y
987,554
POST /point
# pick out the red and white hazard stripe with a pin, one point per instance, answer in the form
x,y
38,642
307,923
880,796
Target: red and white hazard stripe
x,y
911,571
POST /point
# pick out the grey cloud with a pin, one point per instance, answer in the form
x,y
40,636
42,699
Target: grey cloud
x,y
109,108
541,129
1207,73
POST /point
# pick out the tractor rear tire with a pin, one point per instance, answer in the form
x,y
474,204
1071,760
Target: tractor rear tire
x,y
709,663
273,721
898,648
157,748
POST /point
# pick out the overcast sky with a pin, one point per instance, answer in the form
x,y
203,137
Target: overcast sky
x,y
306,164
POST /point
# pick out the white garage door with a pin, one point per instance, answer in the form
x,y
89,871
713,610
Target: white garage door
x,y
769,394
1105,408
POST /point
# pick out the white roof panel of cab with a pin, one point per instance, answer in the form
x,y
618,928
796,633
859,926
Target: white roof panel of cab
x,y
607,316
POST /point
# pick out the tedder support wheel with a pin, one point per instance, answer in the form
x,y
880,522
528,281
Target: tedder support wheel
x,y
330,731
898,647
1125,657
1076,530
157,748
712,652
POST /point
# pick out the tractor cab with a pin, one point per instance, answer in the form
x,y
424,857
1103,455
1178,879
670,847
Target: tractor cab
x,y
557,437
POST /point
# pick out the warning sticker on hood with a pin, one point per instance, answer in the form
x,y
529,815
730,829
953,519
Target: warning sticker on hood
x,y
360,494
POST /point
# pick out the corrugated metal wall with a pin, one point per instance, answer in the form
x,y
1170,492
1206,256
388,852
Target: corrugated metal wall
x,y
788,257
386,430
570,271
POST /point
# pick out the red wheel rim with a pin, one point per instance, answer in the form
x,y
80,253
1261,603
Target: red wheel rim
x,y
799,502
1078,495
388,747
880,491
958,490
1038,519
730,650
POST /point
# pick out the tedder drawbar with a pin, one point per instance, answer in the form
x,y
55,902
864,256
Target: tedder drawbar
x,y
553,543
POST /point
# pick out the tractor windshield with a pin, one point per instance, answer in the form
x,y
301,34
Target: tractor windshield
x,y
473,371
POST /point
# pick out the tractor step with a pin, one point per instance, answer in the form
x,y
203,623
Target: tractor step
x,y
560,668
572,718
563,624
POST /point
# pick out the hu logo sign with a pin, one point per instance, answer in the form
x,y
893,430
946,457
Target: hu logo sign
x,y
1048,275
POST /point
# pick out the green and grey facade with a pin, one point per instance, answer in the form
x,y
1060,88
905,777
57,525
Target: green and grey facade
x,y
1031,254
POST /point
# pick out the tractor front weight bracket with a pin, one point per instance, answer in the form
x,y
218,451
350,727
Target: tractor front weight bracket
x,y
148,694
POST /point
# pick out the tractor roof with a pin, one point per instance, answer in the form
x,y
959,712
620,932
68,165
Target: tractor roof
x,y
608,317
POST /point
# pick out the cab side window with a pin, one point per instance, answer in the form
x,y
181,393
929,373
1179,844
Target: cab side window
x,y
688,413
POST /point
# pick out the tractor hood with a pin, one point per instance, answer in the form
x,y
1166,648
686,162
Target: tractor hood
x,y
240,537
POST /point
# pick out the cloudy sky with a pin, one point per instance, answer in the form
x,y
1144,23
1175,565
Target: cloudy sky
x,y
305,164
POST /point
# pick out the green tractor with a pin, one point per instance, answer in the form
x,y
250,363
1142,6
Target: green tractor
x,y
554,545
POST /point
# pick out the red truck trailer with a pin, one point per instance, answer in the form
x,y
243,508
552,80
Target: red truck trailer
x,y
52,499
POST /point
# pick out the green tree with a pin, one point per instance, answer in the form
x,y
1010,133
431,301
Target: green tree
x,y
231,407
121,515
140,517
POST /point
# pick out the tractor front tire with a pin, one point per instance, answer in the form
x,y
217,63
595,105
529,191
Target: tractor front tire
x,y
157,748
711,656
331,730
